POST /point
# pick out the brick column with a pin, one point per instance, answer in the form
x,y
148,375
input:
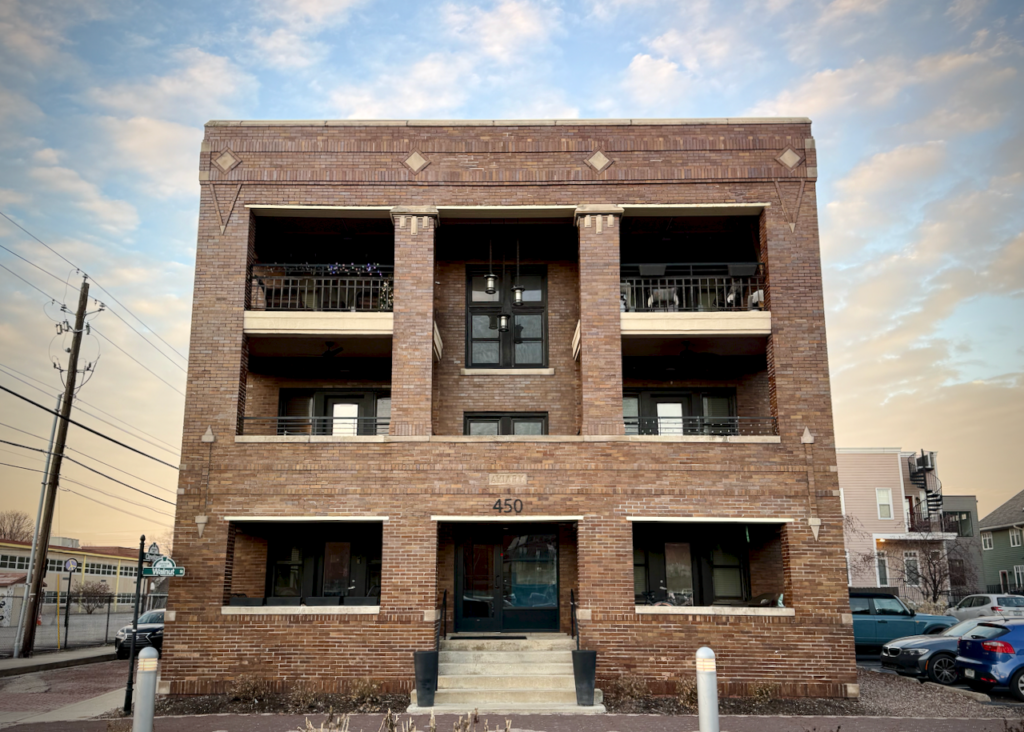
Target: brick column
x,y
412,354
600,320
409,566
604,564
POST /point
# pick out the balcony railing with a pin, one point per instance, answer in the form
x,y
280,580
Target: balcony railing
x,y
669,288
322,287
921,520
717,426
345,426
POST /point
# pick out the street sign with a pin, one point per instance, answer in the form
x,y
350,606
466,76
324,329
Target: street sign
x,y
70,565
163,567
153,553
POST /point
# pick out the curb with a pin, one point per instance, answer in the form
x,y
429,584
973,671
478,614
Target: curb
x,y
977,696
44,665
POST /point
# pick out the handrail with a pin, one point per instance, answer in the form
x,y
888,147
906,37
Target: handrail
x,y
573,620
717,426
444,618
292,425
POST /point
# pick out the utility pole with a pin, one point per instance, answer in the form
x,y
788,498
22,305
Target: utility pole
x,y
50,499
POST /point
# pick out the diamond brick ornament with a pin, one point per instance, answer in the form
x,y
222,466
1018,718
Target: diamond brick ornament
x,y
790,158
416,162
599,161
226,161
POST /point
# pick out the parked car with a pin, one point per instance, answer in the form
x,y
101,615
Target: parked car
x,y
151,633
978,606
930,656
987,657
879,617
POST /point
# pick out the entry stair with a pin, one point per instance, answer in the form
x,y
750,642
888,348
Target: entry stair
x,y
496,674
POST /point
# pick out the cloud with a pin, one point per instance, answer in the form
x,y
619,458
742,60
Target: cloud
x,y
204,86
47,156
164,152
963,12
286,49
9,197
608,9
287,39
653,81
504,32
112,215
15,106
304,13
437,84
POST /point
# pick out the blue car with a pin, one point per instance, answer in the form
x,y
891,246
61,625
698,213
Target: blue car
x,y
988,656
879,617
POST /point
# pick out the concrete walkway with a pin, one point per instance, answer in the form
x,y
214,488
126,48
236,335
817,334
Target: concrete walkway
x,y
87,709
546,723
62,695
57,659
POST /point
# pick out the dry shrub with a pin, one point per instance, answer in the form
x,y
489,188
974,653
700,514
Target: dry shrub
x,y
628,693
249,689
764,693
119,725
927,607
305,695
365,693
686,693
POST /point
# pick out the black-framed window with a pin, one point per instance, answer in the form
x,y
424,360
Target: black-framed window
x,y
524,344
693,564
505,423
680,412
334,412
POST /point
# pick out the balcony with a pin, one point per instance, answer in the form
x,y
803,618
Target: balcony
x,y
710,426
316,426
321,299
693,298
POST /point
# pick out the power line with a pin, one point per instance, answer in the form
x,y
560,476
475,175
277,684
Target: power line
x,y
97,332
84,427
51,297
97,284
176,365
115,508
29,261
79,400
79,462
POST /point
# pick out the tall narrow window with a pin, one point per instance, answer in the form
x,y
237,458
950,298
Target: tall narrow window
x,y
524,343
883,569
884,498
912,568
1018,575
1014,537
986,540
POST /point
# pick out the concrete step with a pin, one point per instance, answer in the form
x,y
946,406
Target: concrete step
x,y
555,643
487,701
505,696
507,708
505,657
505,669
477,681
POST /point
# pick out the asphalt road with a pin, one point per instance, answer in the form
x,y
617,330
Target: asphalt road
x,y
999,695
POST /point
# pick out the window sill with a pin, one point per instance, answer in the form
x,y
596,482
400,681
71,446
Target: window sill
x,y
301,610
772,612
507,372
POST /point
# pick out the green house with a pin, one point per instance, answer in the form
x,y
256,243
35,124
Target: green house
x,y
1002,545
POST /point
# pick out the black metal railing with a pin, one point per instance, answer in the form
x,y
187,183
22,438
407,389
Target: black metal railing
x,y
444,619
345,426
574,622
322,287
716,426
660,288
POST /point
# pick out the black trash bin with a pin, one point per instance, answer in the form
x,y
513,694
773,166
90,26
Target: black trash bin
x,y
426,677
584,669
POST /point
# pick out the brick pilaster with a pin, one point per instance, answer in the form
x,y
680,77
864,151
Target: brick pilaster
x,y
600,320
409,566
412,355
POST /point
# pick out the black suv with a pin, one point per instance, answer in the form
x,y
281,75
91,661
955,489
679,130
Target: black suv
x,y
151,633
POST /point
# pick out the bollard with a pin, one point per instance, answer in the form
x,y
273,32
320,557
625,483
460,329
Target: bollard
x,y
707,690
145,691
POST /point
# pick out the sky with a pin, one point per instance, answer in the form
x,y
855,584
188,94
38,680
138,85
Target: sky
x,y
917,113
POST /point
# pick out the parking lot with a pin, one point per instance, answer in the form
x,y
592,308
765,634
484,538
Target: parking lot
x,y
871,662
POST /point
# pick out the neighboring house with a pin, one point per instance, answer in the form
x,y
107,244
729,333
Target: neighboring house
x,y
456,376
112,566
902,533
1002,543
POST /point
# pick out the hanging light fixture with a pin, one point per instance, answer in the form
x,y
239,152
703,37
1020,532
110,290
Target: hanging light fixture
x,y
490,279
517,288
503,322
503,318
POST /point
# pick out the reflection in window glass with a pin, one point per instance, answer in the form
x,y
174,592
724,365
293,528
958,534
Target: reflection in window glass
x,y
533,285
485,352
530,571
527,326
527,427
679,572
889,606
631,414
480,290
337,555
860,606
529,353
480,427
482,327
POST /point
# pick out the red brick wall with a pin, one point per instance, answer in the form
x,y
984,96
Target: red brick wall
x,y
249,565
602,479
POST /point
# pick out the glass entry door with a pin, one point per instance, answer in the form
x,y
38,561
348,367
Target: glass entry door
x,y
507,579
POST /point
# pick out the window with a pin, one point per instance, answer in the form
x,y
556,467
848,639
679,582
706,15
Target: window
x,y
510,423
302,411
524,344
860,606
704,412
882,562
883,496
11,561
105,570
129,570
1018,575
705,564
890,606
54,565
986,540
912,568
1014,537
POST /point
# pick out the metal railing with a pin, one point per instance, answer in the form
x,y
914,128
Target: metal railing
x,y
322,287
350,426
920,519
716,426
444,619
573,620
660,288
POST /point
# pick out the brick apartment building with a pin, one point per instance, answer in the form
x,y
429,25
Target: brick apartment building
x,y
380,446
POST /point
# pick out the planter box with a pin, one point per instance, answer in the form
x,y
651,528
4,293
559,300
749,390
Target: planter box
x,y
360,601
246,601
426,677
323,601
287,601
584,671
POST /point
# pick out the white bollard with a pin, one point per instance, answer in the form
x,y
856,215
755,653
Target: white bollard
x,y
707,690
145,691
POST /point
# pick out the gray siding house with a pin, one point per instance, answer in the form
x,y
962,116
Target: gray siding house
x,y
1002,544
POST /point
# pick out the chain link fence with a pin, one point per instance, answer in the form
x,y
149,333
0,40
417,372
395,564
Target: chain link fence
x,y
78,621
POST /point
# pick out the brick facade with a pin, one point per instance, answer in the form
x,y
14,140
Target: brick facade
x,y
586,466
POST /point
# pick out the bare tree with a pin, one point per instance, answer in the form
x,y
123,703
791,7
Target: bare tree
x,y
94,595
15,526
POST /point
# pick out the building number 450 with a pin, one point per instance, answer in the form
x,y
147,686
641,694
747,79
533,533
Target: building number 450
x,y
508,506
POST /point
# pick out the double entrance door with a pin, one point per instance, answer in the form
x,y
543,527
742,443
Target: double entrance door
x,y
506,579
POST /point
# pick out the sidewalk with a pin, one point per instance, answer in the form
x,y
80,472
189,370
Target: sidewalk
x,y
56,659
547,723
62,695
